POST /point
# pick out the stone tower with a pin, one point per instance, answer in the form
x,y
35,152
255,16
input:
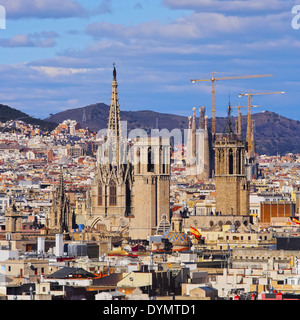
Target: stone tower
x,y
231,184
151,185
60,211
13,221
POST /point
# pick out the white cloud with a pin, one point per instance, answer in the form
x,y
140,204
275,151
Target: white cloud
x,y
196,26
58,71
43,39
246,6
16,9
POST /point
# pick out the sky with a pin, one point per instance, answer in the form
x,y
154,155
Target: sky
x,y
59,54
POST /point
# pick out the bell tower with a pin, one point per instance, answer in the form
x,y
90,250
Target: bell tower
x,y
13,221
151,183
231,184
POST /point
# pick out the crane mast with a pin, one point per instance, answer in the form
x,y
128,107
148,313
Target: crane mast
x,y
213,79
250,95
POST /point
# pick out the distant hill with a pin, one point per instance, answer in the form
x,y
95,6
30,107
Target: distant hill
x,y
7,113
273,133
97,118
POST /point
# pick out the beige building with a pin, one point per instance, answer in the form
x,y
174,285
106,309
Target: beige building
x,y
31,269
222,240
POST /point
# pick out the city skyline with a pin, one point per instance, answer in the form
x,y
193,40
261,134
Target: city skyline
x,y
58,56
209,220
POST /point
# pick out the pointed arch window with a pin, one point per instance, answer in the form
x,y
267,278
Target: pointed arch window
x,y
138,161
230,161
113,194
150,165
100,195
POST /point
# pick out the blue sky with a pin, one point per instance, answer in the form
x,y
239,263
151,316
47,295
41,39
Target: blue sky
x,y
58,54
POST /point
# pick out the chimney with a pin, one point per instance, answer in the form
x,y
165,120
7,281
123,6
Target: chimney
x,y
40,245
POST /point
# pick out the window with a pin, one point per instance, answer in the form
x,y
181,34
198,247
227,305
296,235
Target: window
x,y
150,165
230,161
112,194
100,195
138,161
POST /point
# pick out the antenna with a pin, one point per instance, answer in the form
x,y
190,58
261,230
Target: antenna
x,y
83,116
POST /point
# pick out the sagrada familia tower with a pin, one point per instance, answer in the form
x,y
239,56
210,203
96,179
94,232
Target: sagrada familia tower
x,y
198,151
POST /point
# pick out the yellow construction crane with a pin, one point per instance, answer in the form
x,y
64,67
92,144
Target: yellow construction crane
x,y
239,130
213,79
250,95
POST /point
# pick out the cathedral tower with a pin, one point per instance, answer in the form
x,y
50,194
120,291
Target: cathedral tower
x,y
129,194
151,184
13,221
231,185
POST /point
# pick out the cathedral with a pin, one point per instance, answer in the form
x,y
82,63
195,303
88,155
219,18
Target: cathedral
x,y
131,187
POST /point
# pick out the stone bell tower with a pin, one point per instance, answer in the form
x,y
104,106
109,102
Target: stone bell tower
x,y
231,184
152,185
13,221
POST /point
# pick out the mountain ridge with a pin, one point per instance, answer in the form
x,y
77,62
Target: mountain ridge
x,y
273,132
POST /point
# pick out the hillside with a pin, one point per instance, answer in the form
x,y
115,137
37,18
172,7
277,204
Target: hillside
x,y
7,113
272,132
97,118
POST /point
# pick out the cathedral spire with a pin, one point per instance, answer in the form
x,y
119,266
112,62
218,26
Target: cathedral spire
x,y
114,123
228,127
114,111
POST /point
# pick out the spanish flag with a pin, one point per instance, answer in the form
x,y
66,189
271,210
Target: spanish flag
x,y
295,220
196,233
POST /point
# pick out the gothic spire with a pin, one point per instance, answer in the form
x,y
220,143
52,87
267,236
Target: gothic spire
x,y
228,127
114,133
